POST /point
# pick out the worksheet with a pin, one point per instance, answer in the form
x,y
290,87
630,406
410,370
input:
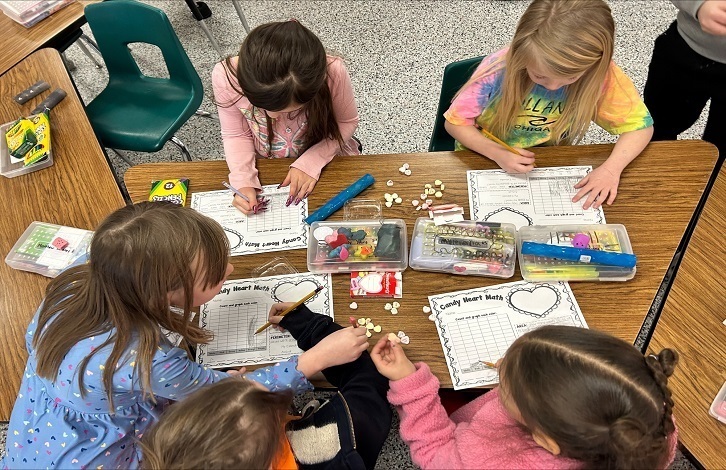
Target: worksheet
x,y
278,228
477,326
540,197
243,306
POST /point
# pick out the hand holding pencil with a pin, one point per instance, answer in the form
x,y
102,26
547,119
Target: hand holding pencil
x,y
278,311
515,161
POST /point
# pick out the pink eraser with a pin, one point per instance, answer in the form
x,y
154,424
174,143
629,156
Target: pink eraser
x,y
60,243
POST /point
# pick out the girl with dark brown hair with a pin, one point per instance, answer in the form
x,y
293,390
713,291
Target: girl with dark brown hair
x,y
567,398
283,96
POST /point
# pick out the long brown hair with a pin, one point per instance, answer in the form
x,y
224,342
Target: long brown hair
x,y
138,255
284,63
595,395
569,38
229,425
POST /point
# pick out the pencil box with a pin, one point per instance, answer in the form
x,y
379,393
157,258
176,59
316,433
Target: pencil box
x,y
598,252
357,245
48,249
464,248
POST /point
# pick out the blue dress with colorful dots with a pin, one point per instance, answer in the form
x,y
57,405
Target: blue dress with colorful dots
x,y
53,426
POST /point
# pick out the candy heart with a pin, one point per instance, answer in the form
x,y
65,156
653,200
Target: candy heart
x,y
358,235
344,253
459,269
405,340
431,317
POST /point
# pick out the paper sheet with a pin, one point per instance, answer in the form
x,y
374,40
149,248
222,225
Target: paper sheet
x,y
480,324
279,228
540,197
243,306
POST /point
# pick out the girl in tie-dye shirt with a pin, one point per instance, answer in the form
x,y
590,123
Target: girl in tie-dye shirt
x,y
545,89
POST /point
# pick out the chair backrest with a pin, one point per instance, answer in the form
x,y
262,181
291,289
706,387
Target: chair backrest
x,y
455,75
118,23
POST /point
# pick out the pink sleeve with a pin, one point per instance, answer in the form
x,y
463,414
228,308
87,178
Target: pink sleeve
x,y
346,113
239,149
425,426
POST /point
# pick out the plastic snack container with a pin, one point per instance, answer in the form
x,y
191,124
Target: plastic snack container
x,y
464,248
718,407
48,249
597,252
357,245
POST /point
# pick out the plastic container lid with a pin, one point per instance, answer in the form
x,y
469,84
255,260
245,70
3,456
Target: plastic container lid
x,y
48,249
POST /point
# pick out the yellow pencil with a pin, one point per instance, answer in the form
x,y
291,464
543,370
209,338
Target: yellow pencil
x,y
489,364
293,307
491,136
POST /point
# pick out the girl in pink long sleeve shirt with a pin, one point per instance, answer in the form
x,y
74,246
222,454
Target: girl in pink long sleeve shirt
x,y
568,398
283,97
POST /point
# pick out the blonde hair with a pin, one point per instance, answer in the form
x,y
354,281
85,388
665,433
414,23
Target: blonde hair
x,y
567,37
138,255
231,424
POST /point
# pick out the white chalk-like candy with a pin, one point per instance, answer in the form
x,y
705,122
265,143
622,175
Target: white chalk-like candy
x,y
431,191
418,208
443,186
361,321
395,304
431,317
389,203
429,201
369,326
389,183
388,306
407,172
401,334
437,182
405,340
394,311
438,194
377,328
398,200
405,166
369,334
423,196
424,206
426,309
427,185
388,196
394,195
415,202
353,305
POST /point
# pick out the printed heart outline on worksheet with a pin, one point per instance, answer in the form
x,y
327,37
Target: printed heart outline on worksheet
x,y
235,238
509,215
523,300
290,291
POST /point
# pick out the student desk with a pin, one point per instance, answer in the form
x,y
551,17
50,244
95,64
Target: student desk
x,y
658,194
17,41
78,190
691,323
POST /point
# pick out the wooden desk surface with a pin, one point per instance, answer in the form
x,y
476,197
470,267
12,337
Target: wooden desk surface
x,y
691,323
79,190
661,187
17,41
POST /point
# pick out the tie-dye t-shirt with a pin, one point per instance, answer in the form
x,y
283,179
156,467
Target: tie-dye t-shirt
x,y
620,108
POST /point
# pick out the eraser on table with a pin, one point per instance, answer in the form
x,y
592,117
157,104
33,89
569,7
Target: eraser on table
x,y
60,243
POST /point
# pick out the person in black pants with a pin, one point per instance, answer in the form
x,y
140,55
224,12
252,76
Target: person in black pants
x,y
687,69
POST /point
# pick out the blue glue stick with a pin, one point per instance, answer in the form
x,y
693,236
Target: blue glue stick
x,y
583,255
337,202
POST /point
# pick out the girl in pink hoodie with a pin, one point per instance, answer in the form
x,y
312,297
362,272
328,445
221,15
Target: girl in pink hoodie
x,y
567,398
283,96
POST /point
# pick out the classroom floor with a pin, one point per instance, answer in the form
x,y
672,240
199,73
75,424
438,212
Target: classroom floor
x,y
395,51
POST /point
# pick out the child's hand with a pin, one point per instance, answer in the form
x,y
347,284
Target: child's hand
x,y
601,184
243,205
511,163
337,348
391,361
274,318
300,185
712,17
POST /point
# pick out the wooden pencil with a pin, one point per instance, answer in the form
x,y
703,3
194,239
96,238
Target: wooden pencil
x,y
293,307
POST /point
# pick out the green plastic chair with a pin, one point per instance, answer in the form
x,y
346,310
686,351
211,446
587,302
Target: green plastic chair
x,y
137,112
455,75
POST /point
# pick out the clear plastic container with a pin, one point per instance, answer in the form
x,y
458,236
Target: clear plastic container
x,y
48,249
575,253
11,167
357,245
465,248
718,407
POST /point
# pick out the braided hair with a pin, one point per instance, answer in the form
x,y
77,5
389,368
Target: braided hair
x,y
595,395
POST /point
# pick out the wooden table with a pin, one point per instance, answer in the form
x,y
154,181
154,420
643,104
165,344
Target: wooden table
x,y
17,41
79,190
658,194
691,323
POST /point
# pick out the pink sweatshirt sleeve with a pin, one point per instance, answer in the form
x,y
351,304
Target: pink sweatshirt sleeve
x,y
425,426
239,149
346,113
